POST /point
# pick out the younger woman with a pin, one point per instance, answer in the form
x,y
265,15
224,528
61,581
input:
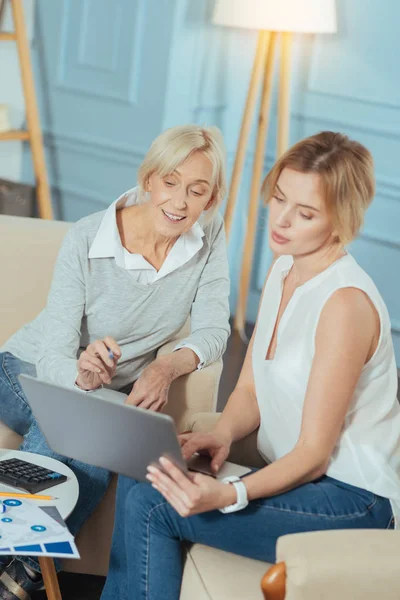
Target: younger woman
x,y
319,381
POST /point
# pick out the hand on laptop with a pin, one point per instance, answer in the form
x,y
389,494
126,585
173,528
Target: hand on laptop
x,y
214,444
151,388
98,363
189,495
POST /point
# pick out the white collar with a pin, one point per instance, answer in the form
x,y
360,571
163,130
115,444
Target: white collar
x,y
107,236
107,242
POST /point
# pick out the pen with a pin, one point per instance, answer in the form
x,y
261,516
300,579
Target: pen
x,y
111,354
33,496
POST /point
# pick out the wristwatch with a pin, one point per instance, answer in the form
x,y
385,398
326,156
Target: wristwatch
x,y
241,493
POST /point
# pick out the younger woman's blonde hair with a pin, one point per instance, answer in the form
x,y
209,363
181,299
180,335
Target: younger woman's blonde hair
x,y
346,172
175,145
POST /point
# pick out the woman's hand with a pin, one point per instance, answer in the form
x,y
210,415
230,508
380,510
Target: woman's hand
x,y
190,495
151,389
216,445
96,364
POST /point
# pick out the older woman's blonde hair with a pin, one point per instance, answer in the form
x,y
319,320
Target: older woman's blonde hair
x,y
175,145
346,171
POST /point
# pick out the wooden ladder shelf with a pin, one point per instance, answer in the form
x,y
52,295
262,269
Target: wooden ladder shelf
x,y
33,134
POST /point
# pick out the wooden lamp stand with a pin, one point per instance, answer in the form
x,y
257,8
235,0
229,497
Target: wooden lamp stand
x,y
263,68
272,18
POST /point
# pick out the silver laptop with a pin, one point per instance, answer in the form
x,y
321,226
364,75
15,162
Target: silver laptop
x,y
99,429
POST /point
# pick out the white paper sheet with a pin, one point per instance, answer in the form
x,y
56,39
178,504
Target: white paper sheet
x,y
26,529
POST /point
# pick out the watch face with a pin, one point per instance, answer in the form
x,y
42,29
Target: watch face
x,y
230,479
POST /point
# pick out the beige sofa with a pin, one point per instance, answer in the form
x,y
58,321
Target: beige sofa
x,y
317,566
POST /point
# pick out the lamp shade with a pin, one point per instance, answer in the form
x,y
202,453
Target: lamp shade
x,y
304,16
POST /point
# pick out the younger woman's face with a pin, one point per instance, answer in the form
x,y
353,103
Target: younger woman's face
x,y
299,222
178,199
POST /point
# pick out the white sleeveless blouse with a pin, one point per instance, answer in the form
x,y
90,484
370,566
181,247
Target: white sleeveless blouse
x,y
367,453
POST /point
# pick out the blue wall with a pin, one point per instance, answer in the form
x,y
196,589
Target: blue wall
x,y
112,75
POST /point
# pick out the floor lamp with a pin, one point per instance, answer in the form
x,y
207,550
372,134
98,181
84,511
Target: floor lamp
x,y
276,20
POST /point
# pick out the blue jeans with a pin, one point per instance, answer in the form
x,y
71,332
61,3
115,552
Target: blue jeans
x,y
146,556
16,413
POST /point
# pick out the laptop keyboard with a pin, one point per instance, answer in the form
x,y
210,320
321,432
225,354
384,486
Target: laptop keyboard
x,y
27,476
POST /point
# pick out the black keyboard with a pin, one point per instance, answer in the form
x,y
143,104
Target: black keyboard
x,y
27,476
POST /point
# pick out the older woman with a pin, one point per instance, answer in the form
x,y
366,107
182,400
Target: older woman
x,y
125,282
319,382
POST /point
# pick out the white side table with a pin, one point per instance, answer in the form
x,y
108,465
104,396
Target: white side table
x,y
67,496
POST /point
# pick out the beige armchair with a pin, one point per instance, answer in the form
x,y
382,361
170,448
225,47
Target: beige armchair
x,y
28,248
321,565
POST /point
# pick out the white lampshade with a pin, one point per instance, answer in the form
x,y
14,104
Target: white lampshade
x,y
305,16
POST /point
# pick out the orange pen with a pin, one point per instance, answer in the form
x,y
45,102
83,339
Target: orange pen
x,y
32,496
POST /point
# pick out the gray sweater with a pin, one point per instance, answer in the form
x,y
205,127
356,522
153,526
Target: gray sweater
x,y
92,298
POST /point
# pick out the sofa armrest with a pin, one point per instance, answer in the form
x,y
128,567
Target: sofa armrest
x,y
357,564
8,438
191,393
244,452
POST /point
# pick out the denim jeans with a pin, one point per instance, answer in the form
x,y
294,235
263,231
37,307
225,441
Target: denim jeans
x,y
16,413
146,556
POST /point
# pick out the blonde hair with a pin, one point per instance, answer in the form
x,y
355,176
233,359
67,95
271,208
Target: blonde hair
x,y
175,145
346,172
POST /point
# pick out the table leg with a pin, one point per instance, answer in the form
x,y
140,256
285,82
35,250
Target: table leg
x,y
50,578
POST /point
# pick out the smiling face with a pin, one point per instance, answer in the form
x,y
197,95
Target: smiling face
x,y
179,198
299,222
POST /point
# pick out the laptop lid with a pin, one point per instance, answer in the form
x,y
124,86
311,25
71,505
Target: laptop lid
x,y
102,431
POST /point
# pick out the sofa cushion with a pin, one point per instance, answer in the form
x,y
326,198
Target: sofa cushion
x,y
352,564
217,575
32,245
8,437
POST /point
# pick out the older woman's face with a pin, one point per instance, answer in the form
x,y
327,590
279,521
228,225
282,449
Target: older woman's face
x,y
179,198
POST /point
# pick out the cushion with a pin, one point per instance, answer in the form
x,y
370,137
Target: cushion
x,y
217,575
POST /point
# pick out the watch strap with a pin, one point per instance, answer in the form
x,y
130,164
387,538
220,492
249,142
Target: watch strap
x,y
241,494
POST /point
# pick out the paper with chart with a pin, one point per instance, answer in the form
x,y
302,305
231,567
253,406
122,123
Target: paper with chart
x,y
28,530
